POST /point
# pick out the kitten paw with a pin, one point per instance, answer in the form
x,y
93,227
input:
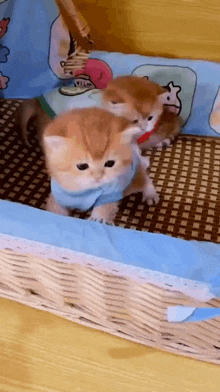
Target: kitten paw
x,y
53,206
150,195
101,220
164,143
167,142
145,161
159,145
105,213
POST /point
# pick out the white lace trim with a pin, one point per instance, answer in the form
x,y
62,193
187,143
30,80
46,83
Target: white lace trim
x,y
193,289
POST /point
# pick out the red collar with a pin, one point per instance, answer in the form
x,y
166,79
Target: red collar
x,y
146,135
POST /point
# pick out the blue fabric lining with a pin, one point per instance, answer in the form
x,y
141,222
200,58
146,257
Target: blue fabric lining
x,y
199,261
187,314
28,40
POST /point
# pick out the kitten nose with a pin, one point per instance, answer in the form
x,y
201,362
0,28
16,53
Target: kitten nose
x,y
98,175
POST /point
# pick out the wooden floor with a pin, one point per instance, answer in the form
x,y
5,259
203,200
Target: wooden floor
x,y
42,352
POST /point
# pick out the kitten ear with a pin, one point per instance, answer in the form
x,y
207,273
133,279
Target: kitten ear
x,y
119,109
56,144
130,134
163,97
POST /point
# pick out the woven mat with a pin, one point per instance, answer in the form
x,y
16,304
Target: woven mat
x,y
187,176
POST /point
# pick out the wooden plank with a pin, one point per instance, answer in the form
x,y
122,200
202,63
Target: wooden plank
x,y
171,28
41,352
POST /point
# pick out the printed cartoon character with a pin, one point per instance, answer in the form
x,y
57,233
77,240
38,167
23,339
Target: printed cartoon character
x,y
214,119
72,49
171,99
75,59
3,81
59,47
72,90
84,81
95,74
4,52
4,26
64,54
180,83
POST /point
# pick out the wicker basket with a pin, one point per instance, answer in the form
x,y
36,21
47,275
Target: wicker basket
x,y
122,300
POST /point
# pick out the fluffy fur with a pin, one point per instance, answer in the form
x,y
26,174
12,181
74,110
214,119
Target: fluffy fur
x,y
30,111
142,101
93,136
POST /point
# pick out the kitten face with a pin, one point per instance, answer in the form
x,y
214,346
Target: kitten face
x,y
139,100
146,119
87,148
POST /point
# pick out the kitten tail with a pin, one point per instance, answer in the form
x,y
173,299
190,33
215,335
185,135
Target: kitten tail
x,y
31,110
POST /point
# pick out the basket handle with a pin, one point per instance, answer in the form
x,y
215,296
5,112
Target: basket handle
x,y
76,24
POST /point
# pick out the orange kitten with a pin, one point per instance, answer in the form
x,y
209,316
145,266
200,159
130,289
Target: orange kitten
x,y
93,162
142,101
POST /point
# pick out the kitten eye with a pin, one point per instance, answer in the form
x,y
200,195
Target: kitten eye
x,y
82,166
135,122
168,98
109,163
114,102
150,118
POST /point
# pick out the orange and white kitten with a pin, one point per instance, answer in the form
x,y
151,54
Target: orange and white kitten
x,y
87,149
142,102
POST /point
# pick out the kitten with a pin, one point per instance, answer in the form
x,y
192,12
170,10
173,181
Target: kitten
x,y
93,162
29,111
142,101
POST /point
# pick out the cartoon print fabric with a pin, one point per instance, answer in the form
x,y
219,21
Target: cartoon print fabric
x,y
180,83
193,91
66,57
214,119
193,87
35,46
25,35
95,74
61,45
4,51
